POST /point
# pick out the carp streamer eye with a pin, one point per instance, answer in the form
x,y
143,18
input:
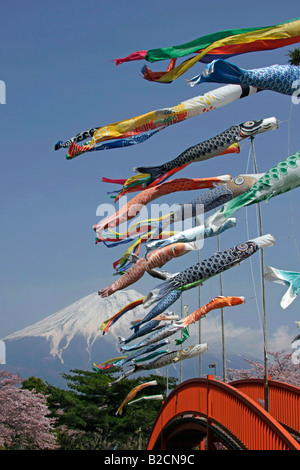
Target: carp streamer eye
x,y
249,128
187,350
239,180
242,247
249,123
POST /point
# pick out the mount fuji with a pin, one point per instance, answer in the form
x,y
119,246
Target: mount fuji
x,y
71,339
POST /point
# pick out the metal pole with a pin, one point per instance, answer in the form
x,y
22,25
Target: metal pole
x,y
184,313
180,380
222,322
199,305
167,373
266,383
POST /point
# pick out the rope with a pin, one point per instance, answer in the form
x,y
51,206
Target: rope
x,y
289,195
251,261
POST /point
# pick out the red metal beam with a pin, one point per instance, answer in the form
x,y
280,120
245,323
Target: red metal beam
x,y
228,408
284,400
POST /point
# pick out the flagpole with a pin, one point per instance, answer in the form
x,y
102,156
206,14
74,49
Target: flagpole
x,y
199,305
222,322
181,319
184,313
266,384
167,374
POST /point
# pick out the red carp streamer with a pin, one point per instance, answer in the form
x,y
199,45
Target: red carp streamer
x,y
132,208
155,260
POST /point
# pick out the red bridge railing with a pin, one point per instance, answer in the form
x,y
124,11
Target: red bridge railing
x,y
222,406
284,400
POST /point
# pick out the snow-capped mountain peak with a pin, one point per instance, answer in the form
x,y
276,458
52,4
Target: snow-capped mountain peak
x,y
83,318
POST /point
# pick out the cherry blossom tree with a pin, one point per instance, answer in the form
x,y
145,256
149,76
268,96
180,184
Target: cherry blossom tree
x,y
24,416
281,367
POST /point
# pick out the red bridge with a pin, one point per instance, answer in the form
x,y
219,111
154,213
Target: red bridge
x,y
200,414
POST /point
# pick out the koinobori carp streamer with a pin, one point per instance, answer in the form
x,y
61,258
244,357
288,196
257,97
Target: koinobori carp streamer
x,y
217,263
160,118
279,78
211,147
157,259
132,208
280,179
291,279
172,357
133,393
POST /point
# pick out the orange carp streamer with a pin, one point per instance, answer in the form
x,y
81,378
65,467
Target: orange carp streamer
x,y
217,302
133,393
155,260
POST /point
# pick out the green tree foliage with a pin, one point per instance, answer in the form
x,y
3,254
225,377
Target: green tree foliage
x,y
294,57
86,411
34,383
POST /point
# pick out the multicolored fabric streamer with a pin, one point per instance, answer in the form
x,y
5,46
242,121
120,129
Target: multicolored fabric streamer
x,y
210,148
110,321
280,78
223,44
281,178
217,263
133,207
159,118
133,140
287,278
133,393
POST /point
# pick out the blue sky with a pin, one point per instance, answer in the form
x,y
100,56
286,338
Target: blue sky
x,y
57,64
